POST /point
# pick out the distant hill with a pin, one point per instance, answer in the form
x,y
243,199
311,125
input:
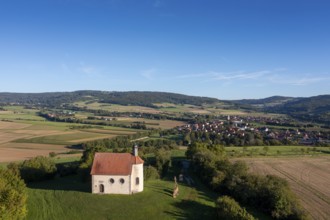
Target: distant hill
x,y
316,108
266,102
54,99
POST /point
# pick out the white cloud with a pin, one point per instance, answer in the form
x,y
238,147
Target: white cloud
x,y
227,76
263,77
295,81
149,73
241,75
306,81
87,69
198,75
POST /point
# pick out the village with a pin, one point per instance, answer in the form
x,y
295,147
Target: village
x,y
258,130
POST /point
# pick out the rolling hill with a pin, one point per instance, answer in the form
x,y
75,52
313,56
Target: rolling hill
x,y
55,99
314,109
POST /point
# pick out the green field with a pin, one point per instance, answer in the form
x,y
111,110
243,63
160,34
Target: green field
x,y
115,107
65,139
175,109
257,151
69,198
19,113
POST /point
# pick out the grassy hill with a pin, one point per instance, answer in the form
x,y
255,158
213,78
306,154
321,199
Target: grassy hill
x,y
69,198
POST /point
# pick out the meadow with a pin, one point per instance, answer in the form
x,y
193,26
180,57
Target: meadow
x,y
69,198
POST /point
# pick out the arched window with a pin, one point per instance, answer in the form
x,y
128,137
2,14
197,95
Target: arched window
x,y
101,188
137,180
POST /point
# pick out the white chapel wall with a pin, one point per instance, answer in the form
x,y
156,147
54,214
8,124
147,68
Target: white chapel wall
x,y
137,171
111,188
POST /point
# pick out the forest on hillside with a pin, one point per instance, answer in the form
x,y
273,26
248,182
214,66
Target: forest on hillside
x,y
55,99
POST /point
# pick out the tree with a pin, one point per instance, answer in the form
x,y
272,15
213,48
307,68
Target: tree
x,y
12,196
187,139
163,161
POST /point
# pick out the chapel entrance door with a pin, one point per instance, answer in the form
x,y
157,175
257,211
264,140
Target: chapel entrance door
x,y
101,188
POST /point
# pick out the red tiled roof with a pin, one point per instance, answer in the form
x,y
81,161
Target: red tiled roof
x,y
114,163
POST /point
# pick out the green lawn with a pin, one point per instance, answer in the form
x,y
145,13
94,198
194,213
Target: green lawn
x,y
69,198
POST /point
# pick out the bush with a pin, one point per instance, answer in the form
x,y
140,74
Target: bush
x,y
150,173
37,169
66,169
229,209
12,196
52,154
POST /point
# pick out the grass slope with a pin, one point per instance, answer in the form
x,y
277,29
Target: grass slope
x,y
68,198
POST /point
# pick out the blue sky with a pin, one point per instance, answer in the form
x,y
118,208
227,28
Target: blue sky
x,y
228,49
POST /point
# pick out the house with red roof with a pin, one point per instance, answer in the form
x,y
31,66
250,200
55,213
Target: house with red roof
x,y
117,173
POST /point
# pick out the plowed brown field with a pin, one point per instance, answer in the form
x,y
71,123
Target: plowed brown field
x,y
21,151
309,178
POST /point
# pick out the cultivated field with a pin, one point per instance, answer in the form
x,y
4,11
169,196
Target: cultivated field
x,y
309,178
21,139
164,124
24,134
117,108
162,108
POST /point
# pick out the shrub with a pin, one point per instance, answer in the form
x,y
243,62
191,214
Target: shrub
x,y
52,154
150,173
228,208
37,169
12,196
66,169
